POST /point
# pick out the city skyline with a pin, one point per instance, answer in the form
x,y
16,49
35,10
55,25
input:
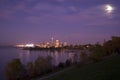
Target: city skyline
x,y
46,44
72,21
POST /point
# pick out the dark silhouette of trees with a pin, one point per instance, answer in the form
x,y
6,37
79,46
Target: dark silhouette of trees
x,y
61,65
116,44
39,65
112,46
84,57
68,62
48,64
30,69
15,70
75,58
42,65
108,47
97,53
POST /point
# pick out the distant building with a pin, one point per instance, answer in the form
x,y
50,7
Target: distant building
x,y
52,43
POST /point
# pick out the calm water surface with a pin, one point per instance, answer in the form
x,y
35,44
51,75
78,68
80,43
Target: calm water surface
x,y
9,53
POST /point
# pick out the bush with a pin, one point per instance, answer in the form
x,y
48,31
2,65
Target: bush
x,y
68,62
61,65
30,69
97,53
42,65
79,64
15,70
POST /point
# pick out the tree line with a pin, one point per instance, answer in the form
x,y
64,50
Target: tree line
x,y
15,70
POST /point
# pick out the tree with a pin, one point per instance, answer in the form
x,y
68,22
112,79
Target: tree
x,y
68,62
48,63
112,46
75,58
83,57
38,65
30,69
108,47
97,53
61,65
42,65
116,44
14,70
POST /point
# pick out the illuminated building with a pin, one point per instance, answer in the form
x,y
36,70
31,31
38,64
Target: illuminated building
x,y
57,43
20,45
65,44
30,45
52,43
25,45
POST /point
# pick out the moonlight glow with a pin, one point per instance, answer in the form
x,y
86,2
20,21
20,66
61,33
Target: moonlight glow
x,y
109,8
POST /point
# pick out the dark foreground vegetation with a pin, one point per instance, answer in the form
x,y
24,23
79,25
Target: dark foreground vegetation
x,y
15,70
108,69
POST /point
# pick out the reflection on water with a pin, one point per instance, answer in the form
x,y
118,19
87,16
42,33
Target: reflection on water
x,y
57,56
24,56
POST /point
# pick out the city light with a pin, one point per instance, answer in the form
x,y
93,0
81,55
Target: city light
x,y
25,45
29,45
48,44
20,45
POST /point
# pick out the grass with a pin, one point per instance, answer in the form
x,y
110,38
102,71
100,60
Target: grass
x,y
105,70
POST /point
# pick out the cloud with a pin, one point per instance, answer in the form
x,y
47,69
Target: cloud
x,y
92,16
67,12
7,14
60,0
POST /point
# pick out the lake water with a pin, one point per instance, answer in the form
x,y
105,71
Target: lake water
x,y
9,53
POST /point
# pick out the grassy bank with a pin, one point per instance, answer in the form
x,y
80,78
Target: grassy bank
x,y
104,70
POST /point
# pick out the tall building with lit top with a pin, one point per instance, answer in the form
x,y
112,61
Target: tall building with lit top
x,y
57,43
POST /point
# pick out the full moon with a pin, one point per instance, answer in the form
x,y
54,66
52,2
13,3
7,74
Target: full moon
x,y
109,8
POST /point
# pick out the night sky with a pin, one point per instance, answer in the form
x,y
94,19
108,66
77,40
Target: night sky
x,y
74,21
